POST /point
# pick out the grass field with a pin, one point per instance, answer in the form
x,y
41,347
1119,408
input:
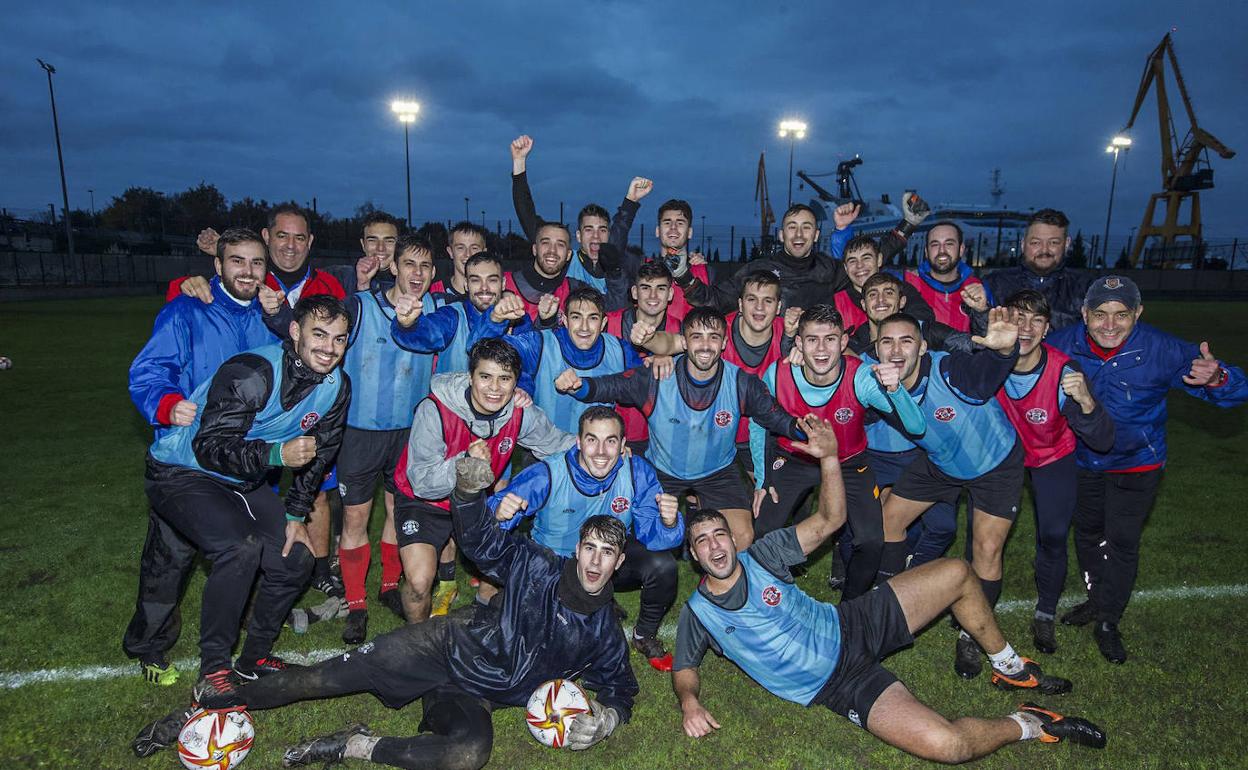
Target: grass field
x,y
71,459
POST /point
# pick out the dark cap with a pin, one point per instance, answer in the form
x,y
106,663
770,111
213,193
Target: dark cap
x,y
1112,288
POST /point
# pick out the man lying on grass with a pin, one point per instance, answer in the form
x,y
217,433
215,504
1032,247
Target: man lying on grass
x,y
749,610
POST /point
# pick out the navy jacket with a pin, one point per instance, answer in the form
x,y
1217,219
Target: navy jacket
x,y
1063,288
1133,385
537,637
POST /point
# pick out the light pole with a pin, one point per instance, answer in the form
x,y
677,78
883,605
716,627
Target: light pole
x,y
91,192
703,248
407,115
467,216
1118,144
793,130
60,160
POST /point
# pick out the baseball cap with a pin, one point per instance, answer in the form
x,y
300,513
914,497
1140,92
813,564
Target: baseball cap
x,y
1112,288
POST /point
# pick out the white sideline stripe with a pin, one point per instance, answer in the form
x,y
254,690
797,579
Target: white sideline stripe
x,y
15,679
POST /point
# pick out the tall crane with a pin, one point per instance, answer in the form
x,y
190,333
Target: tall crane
x,y
1180,177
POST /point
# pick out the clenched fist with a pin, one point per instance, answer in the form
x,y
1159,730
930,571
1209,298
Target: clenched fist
x,y
299,451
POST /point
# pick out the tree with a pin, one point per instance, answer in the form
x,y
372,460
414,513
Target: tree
x,y
1078,252
137,209
1123,263
248,213
196,208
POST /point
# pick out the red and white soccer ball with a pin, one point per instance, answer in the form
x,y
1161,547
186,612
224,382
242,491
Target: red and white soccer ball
x,y
552,708
215,739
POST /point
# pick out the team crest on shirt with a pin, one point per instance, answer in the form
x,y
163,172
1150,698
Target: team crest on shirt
x,y
1037,416
722,418
505,445
843,415
945,414
619,504
771,596
778,464
309,419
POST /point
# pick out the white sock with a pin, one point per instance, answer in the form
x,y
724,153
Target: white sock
x,y
1006,661
1030,723
360,746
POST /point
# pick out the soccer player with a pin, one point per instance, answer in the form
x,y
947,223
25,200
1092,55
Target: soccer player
x,y
544,284
862,259
946,283
806,276
371,272
464,414
466,239
693,417
1131,367
578,345
1043,268
555,621
838,389
811,653
1048,402
883,294
276,406
595,478
190,340
758,336
388,381
970,445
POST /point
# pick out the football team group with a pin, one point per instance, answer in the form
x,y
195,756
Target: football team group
x,y
583,424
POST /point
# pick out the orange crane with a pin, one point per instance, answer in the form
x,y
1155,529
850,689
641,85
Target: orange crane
x,y
1181,179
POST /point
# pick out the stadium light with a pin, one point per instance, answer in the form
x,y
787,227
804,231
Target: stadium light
x,y
792,130
60,160
1119,143
406,111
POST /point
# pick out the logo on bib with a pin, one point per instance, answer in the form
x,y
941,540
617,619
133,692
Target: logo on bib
x,y
309,419
771,596
945,414
505,445
619,504
778,464
843,415
1037,416
722,418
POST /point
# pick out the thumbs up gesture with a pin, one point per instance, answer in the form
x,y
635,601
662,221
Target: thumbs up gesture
x,y
1205,370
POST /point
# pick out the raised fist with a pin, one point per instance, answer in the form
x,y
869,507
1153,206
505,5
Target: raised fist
x,y
639,188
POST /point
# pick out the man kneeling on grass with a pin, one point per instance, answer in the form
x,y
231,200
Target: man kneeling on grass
x,y
749,610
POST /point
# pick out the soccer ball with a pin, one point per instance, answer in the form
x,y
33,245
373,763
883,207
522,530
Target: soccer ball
x,y
552,708
216,739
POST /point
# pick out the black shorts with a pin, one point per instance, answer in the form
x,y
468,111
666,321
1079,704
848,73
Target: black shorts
x,y
888,466
721,490
365,455
997,492
418,521
872,628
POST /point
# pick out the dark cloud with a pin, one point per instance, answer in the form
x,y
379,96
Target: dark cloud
x,y
288,100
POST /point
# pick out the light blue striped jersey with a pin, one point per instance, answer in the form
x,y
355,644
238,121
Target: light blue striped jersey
x,y
387,381
689,443
563,410
965,437
786,641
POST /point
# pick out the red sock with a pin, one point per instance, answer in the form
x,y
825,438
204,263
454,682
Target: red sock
x,y
354,565
391,567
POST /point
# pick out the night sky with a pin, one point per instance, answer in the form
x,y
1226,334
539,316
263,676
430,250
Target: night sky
x,y
281,101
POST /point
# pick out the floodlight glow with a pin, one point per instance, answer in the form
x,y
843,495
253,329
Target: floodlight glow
x,y
794,128
405,110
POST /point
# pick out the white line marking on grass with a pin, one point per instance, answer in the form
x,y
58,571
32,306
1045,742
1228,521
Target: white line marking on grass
x,y
10,680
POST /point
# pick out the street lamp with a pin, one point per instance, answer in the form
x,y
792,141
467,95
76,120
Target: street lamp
x,y
1118,144
91,192
792,130
60,160
407,115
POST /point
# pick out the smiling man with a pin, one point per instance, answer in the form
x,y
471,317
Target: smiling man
x,y
466,239
862,259
807,277
276,406
1131,367
1043,268
945,282
464,414
190,340
555,621
748,609
595,478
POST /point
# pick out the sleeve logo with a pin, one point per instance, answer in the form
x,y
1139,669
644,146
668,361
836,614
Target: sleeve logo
x,y
309,419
